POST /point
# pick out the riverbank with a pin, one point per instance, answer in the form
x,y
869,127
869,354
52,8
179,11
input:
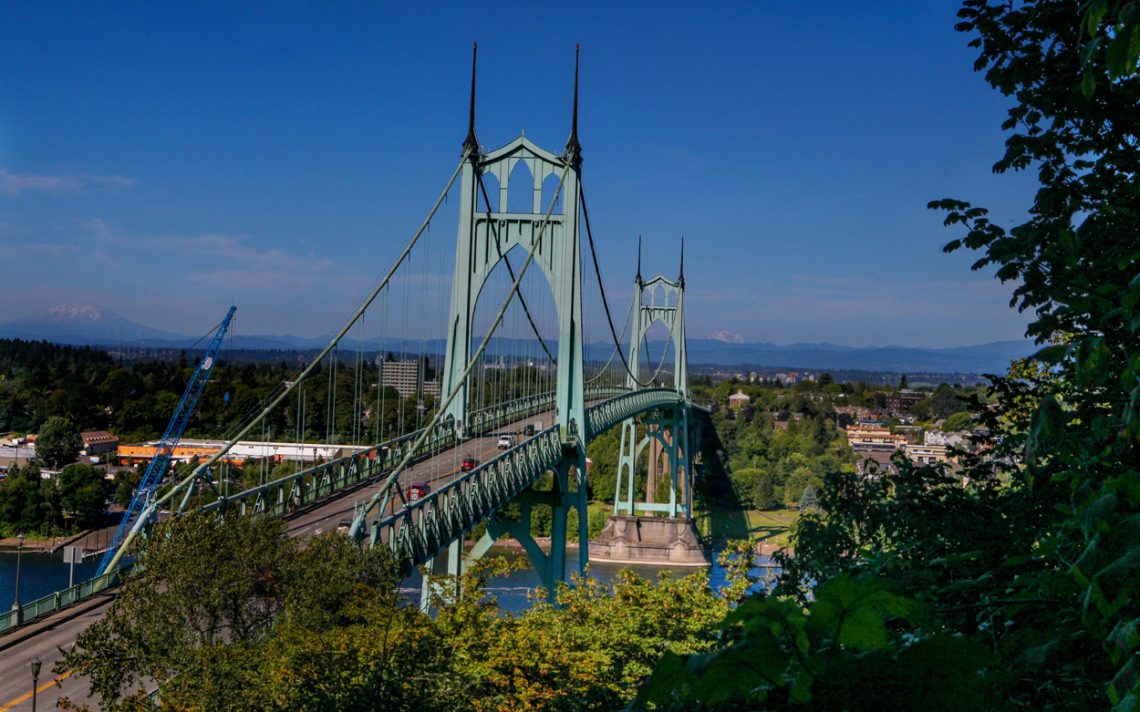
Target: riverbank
x,y
91,540
762,547
39,544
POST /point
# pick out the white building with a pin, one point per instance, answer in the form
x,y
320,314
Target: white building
x,y
408,378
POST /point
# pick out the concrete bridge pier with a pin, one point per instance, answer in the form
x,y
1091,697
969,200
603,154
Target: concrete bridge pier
x,y
653,532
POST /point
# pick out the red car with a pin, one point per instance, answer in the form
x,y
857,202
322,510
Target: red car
x,y
469,464
418,490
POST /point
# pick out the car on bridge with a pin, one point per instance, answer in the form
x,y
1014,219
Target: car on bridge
x,y
468,464
506,442
418,490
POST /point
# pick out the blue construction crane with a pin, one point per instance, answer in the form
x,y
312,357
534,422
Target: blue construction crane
x,y
165,450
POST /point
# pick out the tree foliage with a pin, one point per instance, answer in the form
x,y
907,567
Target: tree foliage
x,y
48,506
231,614
58,442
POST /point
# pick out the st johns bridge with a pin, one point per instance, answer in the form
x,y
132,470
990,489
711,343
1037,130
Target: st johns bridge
x,y
499,299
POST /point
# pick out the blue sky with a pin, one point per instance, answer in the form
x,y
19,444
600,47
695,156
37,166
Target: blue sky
x,y
167,160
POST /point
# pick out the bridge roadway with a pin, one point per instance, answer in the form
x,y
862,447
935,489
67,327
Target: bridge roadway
x,y
43,639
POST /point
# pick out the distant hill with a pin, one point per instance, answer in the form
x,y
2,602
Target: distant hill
x,y
78,324
983,358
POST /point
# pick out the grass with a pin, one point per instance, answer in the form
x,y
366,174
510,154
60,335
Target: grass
x,y
724,523
767,526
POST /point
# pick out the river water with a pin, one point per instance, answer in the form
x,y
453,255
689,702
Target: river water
x,y
513,590
42,574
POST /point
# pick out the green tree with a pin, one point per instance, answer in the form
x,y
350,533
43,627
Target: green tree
x,y
944,401
764,494
277,625
125,483
82,491
958,421
744,482
26,502
58,442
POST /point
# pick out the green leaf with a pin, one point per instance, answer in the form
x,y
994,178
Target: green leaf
x,y
1051,354
1124,685
854,613
1047,423
1123,639
1094,14
1117,56
760,615
1088,85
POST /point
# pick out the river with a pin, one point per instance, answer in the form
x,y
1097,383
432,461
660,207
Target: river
x,y
513,589
42,574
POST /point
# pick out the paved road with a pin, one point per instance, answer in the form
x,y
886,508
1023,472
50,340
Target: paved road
x,y
43,639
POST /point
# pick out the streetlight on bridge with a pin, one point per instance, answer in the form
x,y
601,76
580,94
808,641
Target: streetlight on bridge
x,y
35,680
16,601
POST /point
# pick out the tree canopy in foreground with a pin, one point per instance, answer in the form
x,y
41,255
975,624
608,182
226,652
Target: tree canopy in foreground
x,y
233,614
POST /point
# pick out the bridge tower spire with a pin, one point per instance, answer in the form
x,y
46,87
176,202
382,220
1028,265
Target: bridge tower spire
x,y
471,144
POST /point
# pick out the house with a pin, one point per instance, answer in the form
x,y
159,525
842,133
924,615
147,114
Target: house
x,y
875,462
738,400
898,402
871,434
938,437
928,454
97,442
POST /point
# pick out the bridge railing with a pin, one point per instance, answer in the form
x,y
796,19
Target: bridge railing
x,y
426,526
308,486
53,602
608,413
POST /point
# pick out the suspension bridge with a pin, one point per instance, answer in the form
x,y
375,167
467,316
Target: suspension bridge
x,y
521,342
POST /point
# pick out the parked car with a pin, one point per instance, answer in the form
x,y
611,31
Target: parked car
x,y
506,442
418,490
469,463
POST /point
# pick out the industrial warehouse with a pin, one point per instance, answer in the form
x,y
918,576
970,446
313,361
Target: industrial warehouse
x,y
243,450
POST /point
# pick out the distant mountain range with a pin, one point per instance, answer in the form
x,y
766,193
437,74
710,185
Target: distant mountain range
x,y
984,358
86,324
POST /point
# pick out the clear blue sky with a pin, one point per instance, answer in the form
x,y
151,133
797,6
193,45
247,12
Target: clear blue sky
x,y
166,160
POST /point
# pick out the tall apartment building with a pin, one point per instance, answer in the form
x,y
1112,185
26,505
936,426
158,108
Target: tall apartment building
x,y
408,377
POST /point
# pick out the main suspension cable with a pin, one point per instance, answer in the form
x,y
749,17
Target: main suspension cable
x,y
602,289
614,353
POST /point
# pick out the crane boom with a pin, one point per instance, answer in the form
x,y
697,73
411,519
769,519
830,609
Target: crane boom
x,y
165,449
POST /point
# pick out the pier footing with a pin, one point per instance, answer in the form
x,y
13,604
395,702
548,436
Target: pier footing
x,y
663,541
